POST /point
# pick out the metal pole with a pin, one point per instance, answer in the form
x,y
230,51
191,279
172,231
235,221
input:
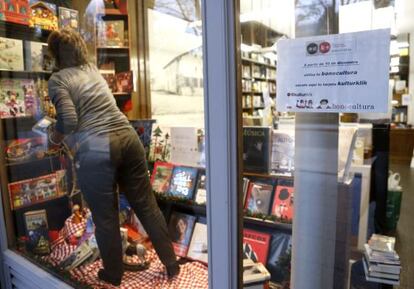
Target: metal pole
x,y
316,183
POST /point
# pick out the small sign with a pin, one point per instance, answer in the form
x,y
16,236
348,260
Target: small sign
x,y
406,99
334,73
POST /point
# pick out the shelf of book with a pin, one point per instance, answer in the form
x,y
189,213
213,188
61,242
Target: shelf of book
x,y
190,207
286,227
275,176
112,47
22,32
258,62
25,74
13,125
16,164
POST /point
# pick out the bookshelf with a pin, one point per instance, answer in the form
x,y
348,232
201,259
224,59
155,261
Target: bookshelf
x,y
258,71
113,54
19,126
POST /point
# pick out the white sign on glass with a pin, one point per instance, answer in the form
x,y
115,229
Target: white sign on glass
x,y
334,73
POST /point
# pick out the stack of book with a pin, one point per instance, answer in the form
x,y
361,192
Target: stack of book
x,y
381,263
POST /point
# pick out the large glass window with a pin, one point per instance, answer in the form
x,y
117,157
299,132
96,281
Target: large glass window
x,y
100,187
315,187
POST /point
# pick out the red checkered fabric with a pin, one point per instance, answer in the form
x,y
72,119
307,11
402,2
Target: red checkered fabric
x,y
193,275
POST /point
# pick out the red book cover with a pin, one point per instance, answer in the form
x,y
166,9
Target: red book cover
x,y
161,176
16,11
124,82
256,245
283,202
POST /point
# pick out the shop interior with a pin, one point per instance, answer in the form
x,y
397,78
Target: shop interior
x,y
150,53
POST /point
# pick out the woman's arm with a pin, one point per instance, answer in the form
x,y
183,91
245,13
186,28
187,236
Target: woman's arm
x,y
66,116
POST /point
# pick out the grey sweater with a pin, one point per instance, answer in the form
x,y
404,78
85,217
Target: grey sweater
x,y
84,103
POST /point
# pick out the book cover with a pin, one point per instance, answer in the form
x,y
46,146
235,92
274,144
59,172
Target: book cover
x,y
43,15
259,198
255,245
124,82
160,148
201,192
111,81
161,176
11,56
48,62
283,202
37,190
111,33
279,252
185,146
183,182
37,232
198,249
34,52
256,149
68,18
181,228
12,98
31,101
283,151
246,185
16,11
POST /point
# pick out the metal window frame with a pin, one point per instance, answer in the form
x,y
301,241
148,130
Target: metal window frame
x,y
221,39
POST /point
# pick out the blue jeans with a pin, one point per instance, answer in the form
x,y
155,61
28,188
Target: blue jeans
x,y
118,158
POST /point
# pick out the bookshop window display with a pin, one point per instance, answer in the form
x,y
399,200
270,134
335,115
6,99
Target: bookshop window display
x,y
47,217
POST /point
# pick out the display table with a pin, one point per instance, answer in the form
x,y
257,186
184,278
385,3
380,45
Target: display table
x,y
192,274
401,145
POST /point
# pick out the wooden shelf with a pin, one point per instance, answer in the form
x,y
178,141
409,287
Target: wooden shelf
x,y
257,92
259,175
258,62
30,161
25,74
268,224
23,32
112,47
121,93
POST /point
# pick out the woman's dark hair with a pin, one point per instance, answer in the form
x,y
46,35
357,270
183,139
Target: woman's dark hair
x,y
67,48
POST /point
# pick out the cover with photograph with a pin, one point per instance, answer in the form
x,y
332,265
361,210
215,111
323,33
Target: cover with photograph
x,y
259,197
37,190
283,201
124,82
198,249
37,232
181,228
68,18
111,33
11,56
12,98
43,15
201,192
255,245
15,11
161,176
183,182
257,149
283,151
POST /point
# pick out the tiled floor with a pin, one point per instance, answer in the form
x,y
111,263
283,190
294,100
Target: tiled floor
x,y
405,229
